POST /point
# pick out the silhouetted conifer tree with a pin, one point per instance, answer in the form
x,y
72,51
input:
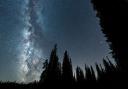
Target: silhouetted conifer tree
x,y
90,79
80,75
44,76
100,72
67,72
90,75
52,71
54,67
93,74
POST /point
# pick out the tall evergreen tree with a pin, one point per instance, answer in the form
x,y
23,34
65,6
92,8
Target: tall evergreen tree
x,y
79,75
67,72
90,75
100,71
52,69
44,76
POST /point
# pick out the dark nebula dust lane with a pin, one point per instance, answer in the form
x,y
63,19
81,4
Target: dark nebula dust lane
x,y
30,28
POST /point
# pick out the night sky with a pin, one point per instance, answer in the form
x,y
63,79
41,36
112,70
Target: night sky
x,y
30,28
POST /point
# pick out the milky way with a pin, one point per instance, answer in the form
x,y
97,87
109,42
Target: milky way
x,y
31,56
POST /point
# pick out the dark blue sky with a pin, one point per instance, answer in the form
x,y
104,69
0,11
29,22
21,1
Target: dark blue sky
x,y
71,24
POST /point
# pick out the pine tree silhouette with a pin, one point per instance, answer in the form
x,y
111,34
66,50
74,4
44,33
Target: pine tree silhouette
x,y
67,72
90,75
80,78
79,75
44,76
52,72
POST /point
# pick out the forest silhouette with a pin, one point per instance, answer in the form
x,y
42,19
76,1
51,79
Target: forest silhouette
x,y
113,21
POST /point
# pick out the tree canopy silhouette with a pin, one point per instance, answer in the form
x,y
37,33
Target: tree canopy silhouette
x,y
113,21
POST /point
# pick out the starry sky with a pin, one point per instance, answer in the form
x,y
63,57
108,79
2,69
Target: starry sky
x,y
30,28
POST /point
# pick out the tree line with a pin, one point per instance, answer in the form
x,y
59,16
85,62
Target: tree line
x,y
60,75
